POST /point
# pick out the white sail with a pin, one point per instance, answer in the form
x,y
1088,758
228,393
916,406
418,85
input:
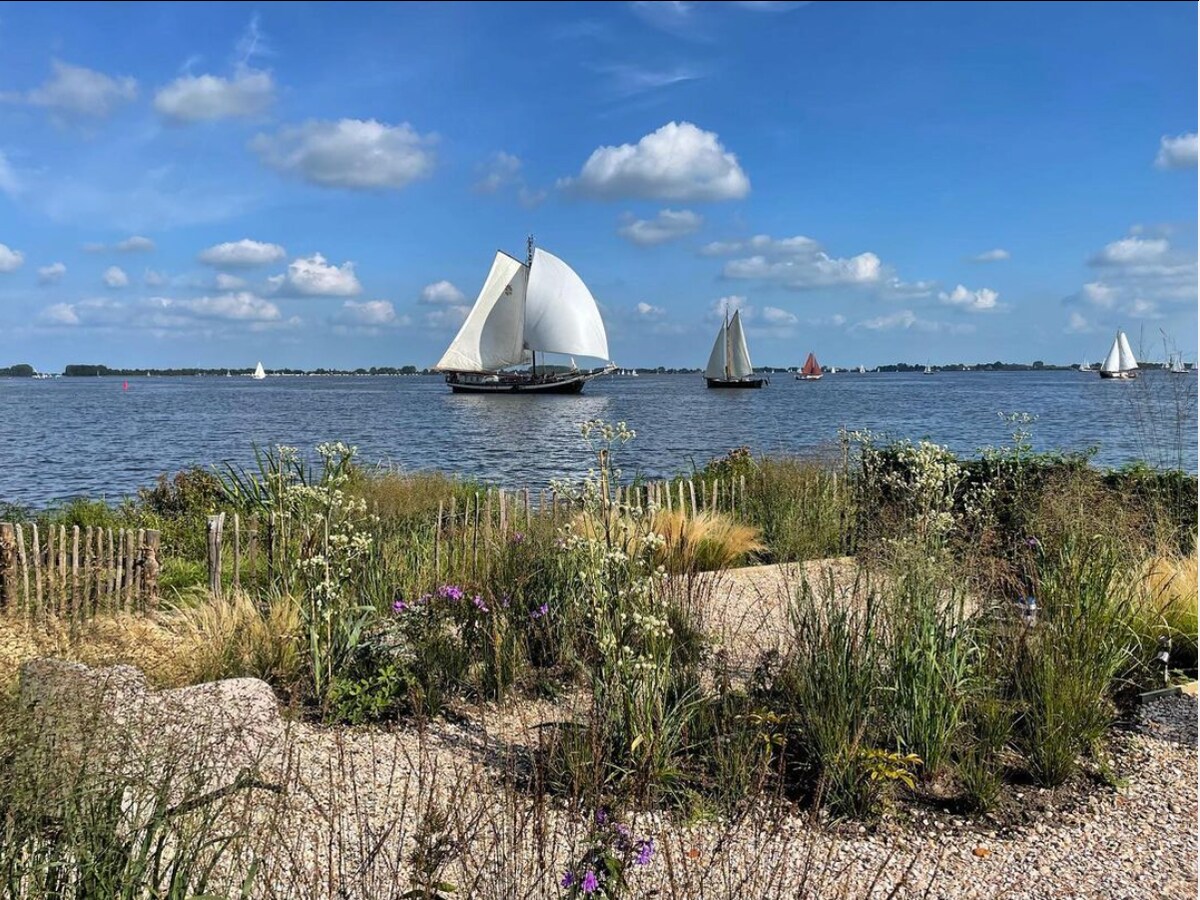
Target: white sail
x,y
1128,361
716,359
739,353
492,336
560,313
259,372
1112,362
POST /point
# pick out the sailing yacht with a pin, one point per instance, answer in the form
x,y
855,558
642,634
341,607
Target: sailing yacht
x,y
259,372
862,370
729,363
1085,366
524,308
811,370
1120,362
928,371
1176,366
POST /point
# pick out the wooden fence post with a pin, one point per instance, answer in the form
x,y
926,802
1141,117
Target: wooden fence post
x,y
130,567
215,525
37,569
237,551
8,566
74,570
151,567
25,598
692,492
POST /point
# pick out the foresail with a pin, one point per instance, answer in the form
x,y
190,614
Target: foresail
x,y
1128,360
739,353
1112,362
491,337
560,313
716,359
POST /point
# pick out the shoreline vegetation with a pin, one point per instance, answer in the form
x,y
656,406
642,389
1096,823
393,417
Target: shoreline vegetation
x,y
77,370
674,689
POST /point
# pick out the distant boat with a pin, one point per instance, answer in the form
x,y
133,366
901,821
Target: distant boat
x,y
1120,362
259,373
1085,366
523,308
862,370
633,373
811,370
228,375
833,370
1176,366
729,363
928,371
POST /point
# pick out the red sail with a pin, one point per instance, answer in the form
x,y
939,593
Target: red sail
x,y
811,366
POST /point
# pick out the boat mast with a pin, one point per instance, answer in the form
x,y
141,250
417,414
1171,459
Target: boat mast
x,y
728,347
529,267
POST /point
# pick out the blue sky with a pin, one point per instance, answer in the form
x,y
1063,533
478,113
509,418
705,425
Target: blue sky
x,y
325,185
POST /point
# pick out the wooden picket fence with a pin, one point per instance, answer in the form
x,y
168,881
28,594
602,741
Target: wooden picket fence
x,y
76,573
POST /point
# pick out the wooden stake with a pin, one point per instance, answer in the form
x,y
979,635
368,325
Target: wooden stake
x,y
151,567
74,570
8,566
37,569
213,531
24,569
130,572
237,551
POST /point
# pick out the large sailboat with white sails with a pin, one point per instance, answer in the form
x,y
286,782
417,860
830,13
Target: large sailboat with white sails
x,y
729,363
527,308
1120,362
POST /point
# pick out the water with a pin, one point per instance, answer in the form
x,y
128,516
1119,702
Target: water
x,y
75,436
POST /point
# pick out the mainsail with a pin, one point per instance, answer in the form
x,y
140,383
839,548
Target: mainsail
x,y
523,309
730,357
811,366
1128,361
716,359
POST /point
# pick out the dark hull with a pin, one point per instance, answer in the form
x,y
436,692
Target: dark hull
x,y
1120,376
735,383
523,384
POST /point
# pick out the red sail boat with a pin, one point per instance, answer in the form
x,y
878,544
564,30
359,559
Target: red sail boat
x,y
811,371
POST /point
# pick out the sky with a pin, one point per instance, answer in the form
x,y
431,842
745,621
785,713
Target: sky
x,y
324,185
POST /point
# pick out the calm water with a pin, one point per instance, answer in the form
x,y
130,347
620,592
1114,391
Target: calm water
x,y
88,436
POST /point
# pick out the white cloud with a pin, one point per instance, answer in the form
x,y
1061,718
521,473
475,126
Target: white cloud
x,y
1077,324
727,306
227,282
442,293
115,277
74,92
800,263
446,317
1144,309
907,320
135,244
649,311
235,307
677,162
628,80
60,314
51,274
1177,152
312,276
973,301
9,182
776,316
152,278
501,170
350,153
1097,293
667,225
241,254
999,254
10,260
368,316
198,98
1131,251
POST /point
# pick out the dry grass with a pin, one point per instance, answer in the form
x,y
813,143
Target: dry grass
x,y
398,496
703,543
1170,601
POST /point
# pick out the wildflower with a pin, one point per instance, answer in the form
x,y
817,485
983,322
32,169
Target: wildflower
x,y
568,879
645,850
518,537
590,882
479,604
601,816
1032,543
399,606
450,592
543,610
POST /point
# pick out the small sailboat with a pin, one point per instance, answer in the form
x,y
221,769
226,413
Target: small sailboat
x,y
539,305
259,372
811,370
928,371
862,370
1120,362
1176,366
729,363
1085,366
633,373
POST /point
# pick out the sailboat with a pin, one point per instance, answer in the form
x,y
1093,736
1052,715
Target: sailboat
x,y
811,370
259,373
524,308
862,370
729,363
1085,366
928,371
1120,362
1176,366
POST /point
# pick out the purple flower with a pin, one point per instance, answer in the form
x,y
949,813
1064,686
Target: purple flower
x,y
568,879
645,850
590,882
543,610
518,537
504,601
479,604
450,592
399,606
601,816
1032,543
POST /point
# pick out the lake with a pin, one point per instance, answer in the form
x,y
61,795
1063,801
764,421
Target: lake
x,y
72,436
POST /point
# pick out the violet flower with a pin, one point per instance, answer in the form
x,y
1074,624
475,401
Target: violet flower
x,y
645,850
568,879
543,610
479,604
399,606
590,882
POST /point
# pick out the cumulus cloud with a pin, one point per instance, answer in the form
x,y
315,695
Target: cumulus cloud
x,y
74,92
776,316
727,306
907,320
667,225
500,171
208,314
313,276
10,260
115,277
350,153
1097,293
367,317
51,274
1078,324
446,318
60,314
442,293
999,254
972,301
227,282
1140,267
199,98
135,244
1131,251
235,307
799,263
151,278
1177,152
679,161
243,254
649,311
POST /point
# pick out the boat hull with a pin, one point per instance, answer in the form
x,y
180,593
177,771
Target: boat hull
x,y
1119,376
735,382
571,383
803,377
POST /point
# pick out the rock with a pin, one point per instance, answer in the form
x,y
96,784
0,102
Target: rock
x,y
982,852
